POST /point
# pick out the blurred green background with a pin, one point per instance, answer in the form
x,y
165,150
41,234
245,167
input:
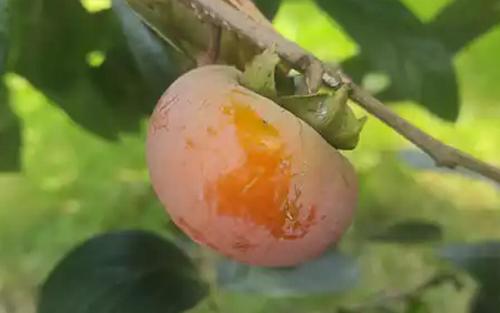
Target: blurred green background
x,y
74,183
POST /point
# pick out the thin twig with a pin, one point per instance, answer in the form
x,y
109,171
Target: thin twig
x,y
224,15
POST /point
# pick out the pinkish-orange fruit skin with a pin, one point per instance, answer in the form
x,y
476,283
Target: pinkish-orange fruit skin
x,y
243,176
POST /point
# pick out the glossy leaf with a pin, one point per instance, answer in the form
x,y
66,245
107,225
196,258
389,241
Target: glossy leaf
x,y
394,42
126,272
333,272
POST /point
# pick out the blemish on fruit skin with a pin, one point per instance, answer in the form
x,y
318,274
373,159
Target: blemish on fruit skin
x,y
190,143
211,131
260,190
241,244
160,117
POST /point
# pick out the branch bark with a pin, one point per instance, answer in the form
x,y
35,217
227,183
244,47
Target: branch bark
x,y
224,15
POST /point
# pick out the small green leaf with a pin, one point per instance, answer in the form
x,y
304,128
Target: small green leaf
x,y
259,74
126,272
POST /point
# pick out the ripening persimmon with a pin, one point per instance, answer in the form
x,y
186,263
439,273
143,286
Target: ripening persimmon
x,y
240,174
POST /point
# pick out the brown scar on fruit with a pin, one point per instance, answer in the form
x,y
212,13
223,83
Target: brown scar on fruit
x,y
292,208
242,244
298,228
160,118
190,143
211,131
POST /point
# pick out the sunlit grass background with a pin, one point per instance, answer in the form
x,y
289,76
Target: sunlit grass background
x,y
74,184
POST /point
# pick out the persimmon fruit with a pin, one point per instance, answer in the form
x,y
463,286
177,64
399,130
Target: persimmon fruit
x,y
243,176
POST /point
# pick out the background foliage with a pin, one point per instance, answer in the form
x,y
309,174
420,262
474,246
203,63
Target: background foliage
x,y
79,80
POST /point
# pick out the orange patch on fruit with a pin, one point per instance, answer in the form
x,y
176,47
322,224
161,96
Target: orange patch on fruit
x,y
260,190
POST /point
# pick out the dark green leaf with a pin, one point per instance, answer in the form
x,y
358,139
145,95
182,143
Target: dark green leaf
x,y
51,41
10,135
462,21
4,31
481,260
394,42
268,7
332,272
123,272
486,301
10,131
155,60
410,231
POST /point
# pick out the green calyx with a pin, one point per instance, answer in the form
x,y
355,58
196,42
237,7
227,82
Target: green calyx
x,y
327,111
259,74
